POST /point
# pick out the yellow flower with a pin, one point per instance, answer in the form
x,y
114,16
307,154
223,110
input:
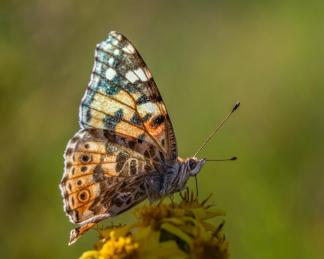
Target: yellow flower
x,y
166,230
114,248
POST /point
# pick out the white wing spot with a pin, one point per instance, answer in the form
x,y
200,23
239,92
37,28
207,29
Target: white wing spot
x,y
106,46
129,49
149,107
141,74
110,73
131,76
97,67
117,35
117,52
115,42
111,61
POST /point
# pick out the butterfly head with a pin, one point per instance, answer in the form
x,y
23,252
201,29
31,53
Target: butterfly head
x,y
193,165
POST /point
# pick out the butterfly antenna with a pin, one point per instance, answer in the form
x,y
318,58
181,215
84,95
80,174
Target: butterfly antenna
x,y
237,104
226,159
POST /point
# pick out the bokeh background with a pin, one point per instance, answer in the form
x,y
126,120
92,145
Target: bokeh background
x,y
204,55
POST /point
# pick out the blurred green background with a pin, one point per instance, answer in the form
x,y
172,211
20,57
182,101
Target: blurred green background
x,y
204,56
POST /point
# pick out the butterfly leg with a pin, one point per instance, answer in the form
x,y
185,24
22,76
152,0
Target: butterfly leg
x,y
151,191
155,186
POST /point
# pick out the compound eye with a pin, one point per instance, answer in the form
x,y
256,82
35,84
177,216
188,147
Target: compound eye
x,y
192,164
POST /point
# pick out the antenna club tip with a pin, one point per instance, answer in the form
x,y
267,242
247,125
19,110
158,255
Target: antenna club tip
x,y
237,104
234,158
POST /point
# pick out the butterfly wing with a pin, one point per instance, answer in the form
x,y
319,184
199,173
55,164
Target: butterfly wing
x,y
125,135
123,98
102,178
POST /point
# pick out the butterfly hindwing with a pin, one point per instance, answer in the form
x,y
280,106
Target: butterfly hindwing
x,y
123,98
101,177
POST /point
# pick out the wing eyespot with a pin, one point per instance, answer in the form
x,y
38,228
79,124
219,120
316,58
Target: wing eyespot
x,y
85,158
83,195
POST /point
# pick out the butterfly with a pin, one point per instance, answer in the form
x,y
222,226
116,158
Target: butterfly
x,y
126,149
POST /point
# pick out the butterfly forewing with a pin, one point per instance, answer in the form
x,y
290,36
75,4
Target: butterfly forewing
x,y
123,98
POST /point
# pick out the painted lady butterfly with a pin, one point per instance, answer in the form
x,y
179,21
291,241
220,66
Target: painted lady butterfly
x,y
126,149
